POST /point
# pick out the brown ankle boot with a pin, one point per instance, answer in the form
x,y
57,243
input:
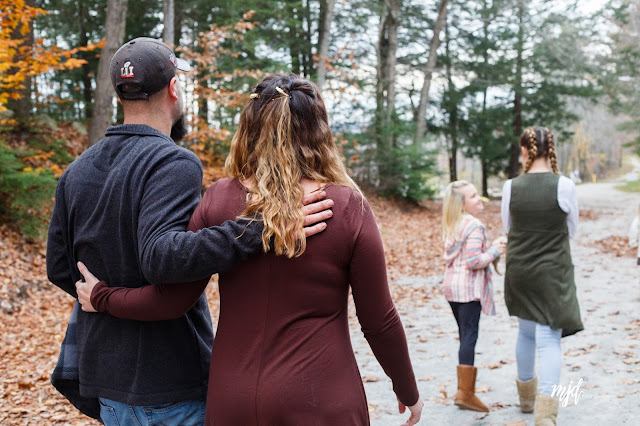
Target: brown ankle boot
x,y
466,396
545,410
527,392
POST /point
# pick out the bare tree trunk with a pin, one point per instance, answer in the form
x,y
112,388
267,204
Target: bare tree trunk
x,y
430,66
381,54
485,177
390,73
386,70
292,13
87,89
453,113
168,10
485,77
324,39
307,54
21,107
514,166
114,33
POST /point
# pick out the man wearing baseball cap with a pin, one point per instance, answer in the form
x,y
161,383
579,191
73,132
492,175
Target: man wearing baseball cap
x,y
122,208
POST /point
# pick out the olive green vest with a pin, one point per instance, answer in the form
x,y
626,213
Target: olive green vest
x,y
539,283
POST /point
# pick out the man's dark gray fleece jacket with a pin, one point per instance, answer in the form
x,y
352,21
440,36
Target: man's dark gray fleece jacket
x,y
122,208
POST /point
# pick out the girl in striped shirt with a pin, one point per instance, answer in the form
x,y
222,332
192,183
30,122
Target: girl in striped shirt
x,y
467,279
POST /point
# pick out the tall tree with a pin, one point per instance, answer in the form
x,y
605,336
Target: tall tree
x,y
429,68
21,104
87,90
298,21
386,50
487,119
514,166
168,12
324,39
114,33
450,102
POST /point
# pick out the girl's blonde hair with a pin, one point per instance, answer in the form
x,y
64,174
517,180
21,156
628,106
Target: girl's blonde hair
x,y
453,208
283,137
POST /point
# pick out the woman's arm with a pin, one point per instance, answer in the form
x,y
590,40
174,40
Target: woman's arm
x,y
376,312
147,303
473,254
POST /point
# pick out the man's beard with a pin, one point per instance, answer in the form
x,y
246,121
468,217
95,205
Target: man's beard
x,y
179,129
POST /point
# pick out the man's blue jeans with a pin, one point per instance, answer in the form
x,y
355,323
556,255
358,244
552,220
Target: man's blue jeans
x,y
534,337
188,413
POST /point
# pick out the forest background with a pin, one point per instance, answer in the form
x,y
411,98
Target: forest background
x,y
414,88
419,93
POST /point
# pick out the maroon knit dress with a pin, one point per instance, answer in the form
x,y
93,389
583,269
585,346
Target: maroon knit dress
x,y
282,354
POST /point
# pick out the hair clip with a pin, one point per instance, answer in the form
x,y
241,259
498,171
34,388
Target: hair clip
x,y
282,92
254,95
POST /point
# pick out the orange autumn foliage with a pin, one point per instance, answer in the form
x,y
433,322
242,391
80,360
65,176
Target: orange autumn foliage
x,y
19,59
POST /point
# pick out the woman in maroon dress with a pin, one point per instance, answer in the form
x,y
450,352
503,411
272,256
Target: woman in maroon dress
x,y
282,353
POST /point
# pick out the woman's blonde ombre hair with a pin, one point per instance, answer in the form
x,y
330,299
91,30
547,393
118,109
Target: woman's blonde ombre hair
x,y
452,208
283,137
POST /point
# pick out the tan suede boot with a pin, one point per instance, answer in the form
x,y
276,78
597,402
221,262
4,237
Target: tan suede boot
x,y
527,392
466,396
546,410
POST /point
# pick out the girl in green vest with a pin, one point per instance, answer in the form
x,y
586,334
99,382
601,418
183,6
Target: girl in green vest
x,y
540,213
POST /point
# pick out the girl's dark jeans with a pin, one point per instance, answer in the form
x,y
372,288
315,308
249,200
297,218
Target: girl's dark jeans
x,y
467,316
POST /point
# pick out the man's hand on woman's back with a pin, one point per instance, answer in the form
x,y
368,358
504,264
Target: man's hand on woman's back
x,y
316,209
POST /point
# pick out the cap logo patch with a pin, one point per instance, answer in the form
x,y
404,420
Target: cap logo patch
x,y
173,60
127,70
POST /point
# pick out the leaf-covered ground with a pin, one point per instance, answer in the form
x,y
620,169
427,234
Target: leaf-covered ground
x,y
34,313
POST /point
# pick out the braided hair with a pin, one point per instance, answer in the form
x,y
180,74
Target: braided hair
x,y
552,151
539,143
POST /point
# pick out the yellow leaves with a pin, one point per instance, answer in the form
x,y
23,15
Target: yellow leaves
x,y
19,59
57,170
31,169
73,63
41,155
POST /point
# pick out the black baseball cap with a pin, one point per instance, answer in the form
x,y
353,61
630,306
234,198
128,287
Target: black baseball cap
x,y
142,67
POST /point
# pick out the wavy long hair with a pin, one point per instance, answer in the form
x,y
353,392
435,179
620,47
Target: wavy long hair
x,y
283,137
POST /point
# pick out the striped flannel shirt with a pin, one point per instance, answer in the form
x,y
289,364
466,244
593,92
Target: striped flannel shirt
x,y
467,276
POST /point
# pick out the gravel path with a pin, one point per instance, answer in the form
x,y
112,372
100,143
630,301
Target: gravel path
x,y
604,359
